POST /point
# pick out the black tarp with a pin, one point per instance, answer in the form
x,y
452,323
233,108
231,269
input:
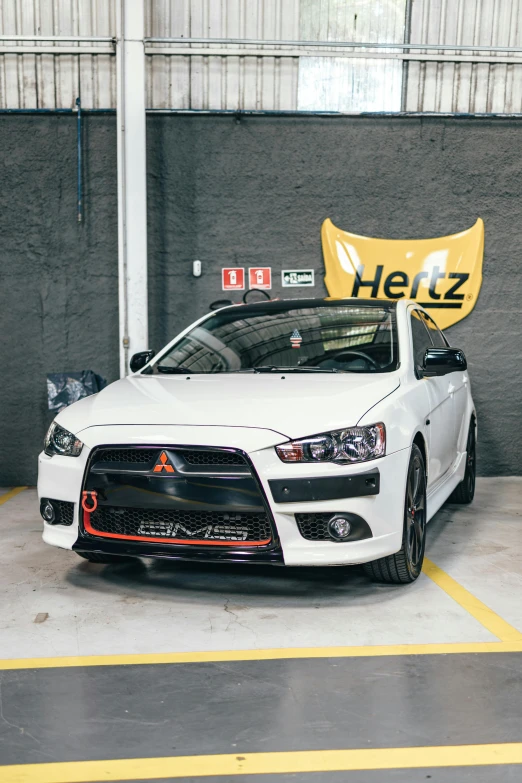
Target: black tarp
x,y
64,388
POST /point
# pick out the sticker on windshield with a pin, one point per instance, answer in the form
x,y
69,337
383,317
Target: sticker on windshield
x,y
296,339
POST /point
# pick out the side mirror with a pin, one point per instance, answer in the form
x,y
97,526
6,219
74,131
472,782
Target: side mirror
x,y
140,359
442,361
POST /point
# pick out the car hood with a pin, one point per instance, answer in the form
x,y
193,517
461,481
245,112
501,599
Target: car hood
x,y
293,405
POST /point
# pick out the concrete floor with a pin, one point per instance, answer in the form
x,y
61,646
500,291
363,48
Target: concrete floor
x,y
257,706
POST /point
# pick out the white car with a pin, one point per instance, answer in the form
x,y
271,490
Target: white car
x,y
292,432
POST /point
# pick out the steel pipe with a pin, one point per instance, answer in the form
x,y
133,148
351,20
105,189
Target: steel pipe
x,y
333,44
337,114
281,53
79,184
291,113
59,38
289,53
132,181
405,63
76,50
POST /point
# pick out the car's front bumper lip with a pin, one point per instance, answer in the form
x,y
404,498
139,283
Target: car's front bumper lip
x,y
269,555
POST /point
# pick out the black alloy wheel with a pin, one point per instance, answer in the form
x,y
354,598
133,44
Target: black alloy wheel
x,y
465,492
415,513
406,565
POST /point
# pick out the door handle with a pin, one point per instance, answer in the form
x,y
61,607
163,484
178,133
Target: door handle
x,y
451,389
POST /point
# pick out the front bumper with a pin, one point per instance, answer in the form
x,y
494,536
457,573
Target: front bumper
x,y
62,478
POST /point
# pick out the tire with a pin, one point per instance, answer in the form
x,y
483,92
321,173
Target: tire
x,y
465,491
405,566
99,557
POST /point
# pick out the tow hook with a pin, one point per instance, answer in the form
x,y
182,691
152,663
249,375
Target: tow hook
x,y
93,496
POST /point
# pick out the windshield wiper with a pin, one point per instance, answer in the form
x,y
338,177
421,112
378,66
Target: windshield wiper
x,y
264,368
274,368
167,370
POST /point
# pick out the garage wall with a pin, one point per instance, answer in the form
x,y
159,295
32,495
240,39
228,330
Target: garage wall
x,y
59,280
248,191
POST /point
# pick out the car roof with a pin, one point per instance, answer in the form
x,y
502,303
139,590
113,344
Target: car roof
x,y
276,305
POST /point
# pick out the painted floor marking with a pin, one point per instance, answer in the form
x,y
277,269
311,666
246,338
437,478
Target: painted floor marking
x,y
281,763
11,494
510,637
274,654
485,616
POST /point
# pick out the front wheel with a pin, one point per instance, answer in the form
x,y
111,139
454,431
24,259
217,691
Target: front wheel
x,y
406,565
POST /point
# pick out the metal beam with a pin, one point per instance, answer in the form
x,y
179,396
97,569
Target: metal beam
x,y
177,51
262,42
59,38
405,63
332,44
288,53
132,184
331,114
57,50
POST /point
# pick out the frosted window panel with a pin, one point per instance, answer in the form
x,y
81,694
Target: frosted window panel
x,y
348,84
344,84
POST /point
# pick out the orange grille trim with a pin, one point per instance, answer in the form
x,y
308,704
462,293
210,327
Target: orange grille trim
x,y
157,540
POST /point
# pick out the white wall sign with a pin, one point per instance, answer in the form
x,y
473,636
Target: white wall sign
x,y
293,278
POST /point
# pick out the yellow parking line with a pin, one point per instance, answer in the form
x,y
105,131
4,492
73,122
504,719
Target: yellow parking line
x,y
11,494
274,654
486,616
265,763
511,638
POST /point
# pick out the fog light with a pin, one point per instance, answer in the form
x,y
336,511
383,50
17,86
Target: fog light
x,y
48,512
339,528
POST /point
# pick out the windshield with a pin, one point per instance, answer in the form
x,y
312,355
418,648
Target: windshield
x,y
285,336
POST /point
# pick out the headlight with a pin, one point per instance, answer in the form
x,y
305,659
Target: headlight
x,y
60,441
355,444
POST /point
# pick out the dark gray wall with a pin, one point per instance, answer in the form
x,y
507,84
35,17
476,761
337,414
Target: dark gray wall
x,y
59,280
242,192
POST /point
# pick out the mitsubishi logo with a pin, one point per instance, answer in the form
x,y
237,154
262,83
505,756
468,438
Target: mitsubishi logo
x,y
163,464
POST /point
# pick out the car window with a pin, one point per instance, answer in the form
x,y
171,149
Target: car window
x,y
336,337
421,338
439,341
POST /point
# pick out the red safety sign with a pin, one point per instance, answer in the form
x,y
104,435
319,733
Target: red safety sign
x,y
233,279
260,277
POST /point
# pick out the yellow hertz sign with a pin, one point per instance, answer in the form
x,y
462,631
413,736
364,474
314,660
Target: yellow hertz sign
x,y
444,275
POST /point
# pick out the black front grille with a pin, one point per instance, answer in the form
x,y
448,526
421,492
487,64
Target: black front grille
x,y
183,525
144,456
66,511
135,456
314,527
205,457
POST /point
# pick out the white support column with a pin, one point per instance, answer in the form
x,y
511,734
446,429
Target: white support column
x,y
132,185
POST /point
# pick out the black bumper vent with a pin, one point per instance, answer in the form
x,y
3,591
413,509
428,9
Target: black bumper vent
x,y
314,527
66,512
183,526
